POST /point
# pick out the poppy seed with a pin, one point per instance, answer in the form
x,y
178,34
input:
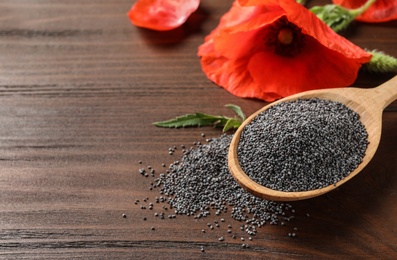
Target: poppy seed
x,y
302,145
200,181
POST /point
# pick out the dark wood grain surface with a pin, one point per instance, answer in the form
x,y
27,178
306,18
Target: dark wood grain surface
x,y
79,90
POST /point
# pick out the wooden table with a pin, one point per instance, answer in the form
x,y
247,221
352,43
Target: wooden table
x,y
79,90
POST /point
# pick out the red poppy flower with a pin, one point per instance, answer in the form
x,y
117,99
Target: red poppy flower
x,y
161,15
275,48
380,11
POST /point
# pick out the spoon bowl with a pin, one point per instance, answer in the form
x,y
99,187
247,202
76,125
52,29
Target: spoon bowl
x,y
368,103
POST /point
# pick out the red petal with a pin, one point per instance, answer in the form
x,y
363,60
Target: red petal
x,y
380,11
314,27
162,15
314,68
234,55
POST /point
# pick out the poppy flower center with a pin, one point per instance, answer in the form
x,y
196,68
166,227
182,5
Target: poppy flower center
x,y
285,38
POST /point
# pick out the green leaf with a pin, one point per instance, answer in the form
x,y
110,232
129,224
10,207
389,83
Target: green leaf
x,y
201,119
335,16
338,17
197,119
231,123
237,110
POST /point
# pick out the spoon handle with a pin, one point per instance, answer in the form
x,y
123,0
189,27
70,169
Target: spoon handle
x,y
386,93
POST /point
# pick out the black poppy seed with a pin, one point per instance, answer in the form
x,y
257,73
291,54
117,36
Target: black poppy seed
x,y
302,145
152,228
124,215
201,181
221,239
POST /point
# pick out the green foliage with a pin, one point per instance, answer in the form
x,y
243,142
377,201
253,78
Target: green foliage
x,y
201,119
335,16
381,63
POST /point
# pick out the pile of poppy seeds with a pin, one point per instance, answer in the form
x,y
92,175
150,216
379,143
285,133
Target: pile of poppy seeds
x,y
200,184
302,145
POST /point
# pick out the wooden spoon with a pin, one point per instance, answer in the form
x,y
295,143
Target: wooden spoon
x,y
368,103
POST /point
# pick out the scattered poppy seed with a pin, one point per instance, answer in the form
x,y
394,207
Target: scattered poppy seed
x,y
200,183
302,145
124,215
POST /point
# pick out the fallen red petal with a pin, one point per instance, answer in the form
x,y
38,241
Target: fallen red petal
x,y
380,11
162,15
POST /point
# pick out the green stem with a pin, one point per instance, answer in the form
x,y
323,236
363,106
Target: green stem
x,y
302,2
362,9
